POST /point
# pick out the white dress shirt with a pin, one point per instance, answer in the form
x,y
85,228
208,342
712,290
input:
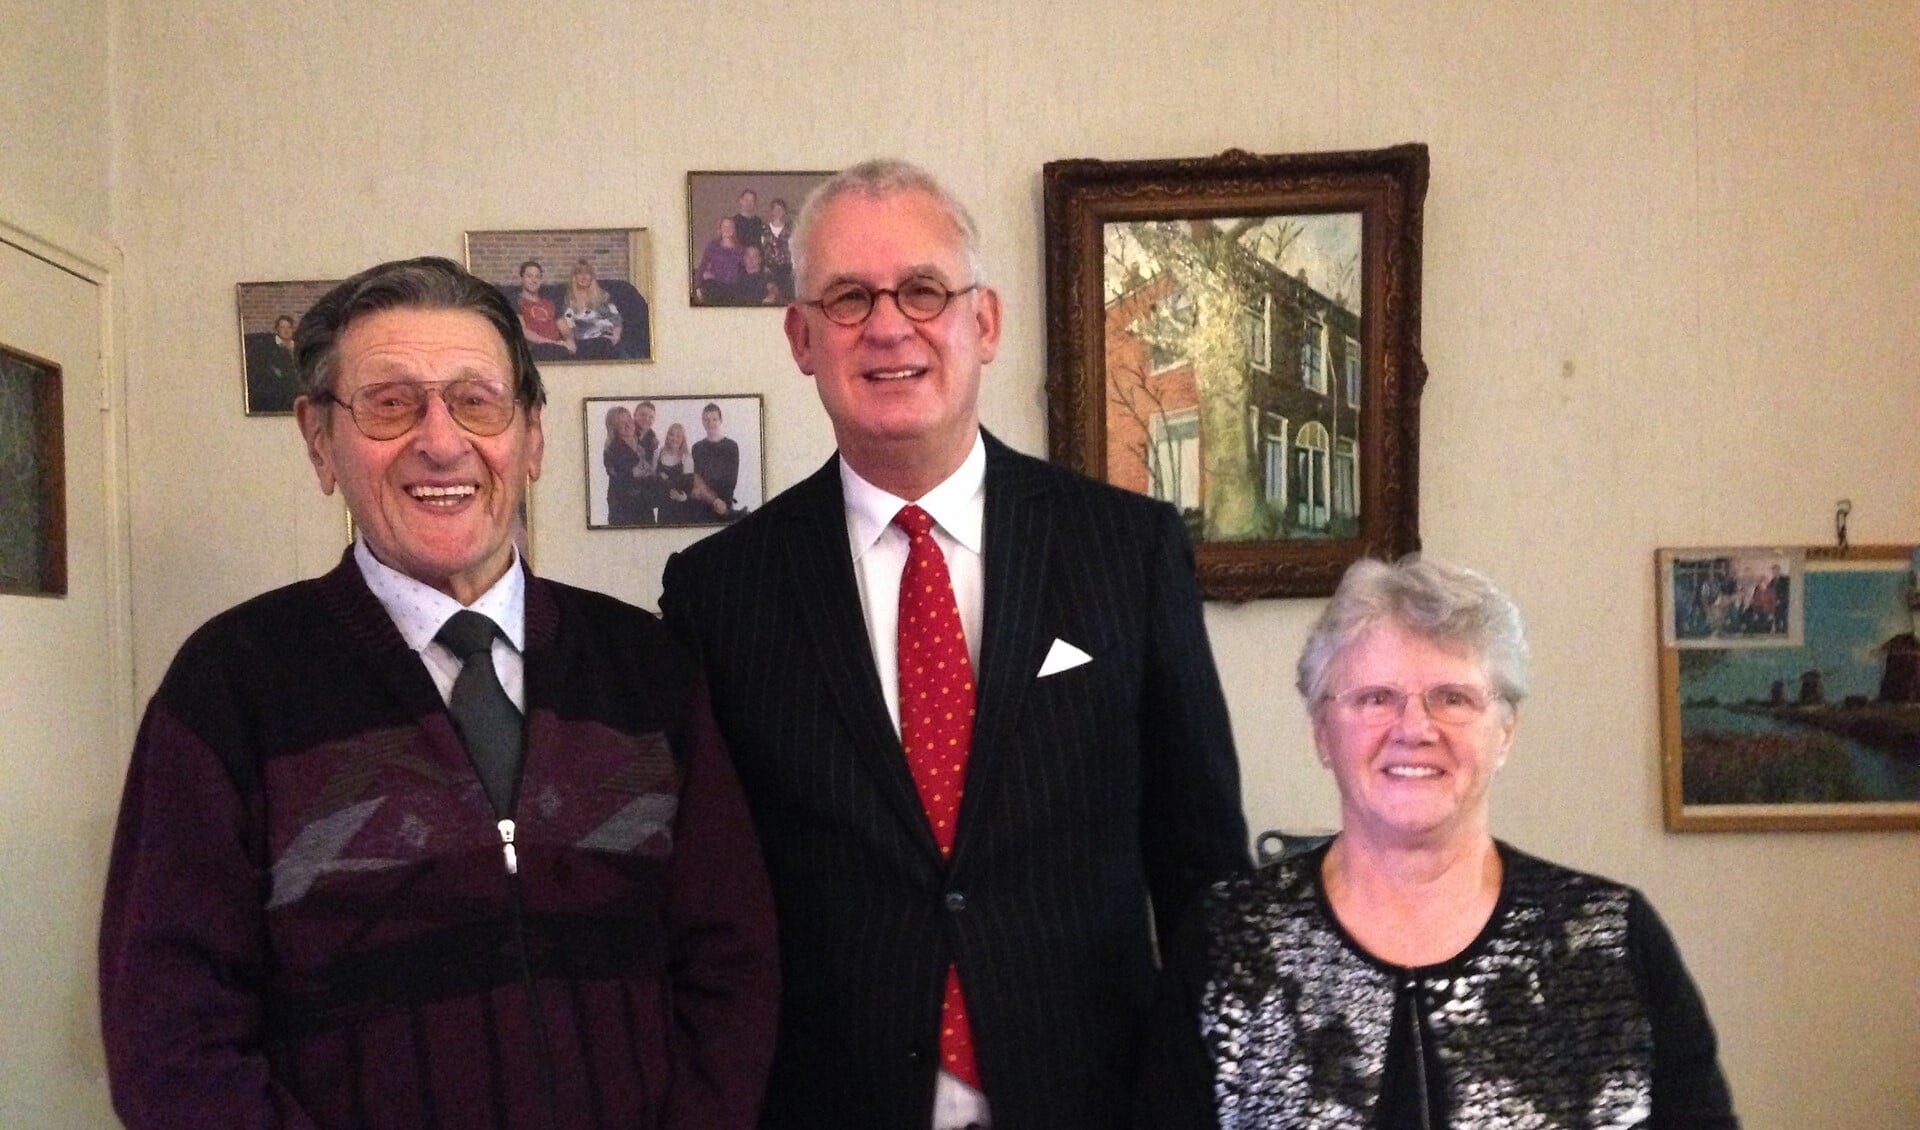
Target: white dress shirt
x,y
419,610
959,509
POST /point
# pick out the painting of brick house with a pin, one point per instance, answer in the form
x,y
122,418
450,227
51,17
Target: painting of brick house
x,y
1235,372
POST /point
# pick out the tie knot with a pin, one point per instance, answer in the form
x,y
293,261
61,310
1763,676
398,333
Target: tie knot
x,y
913,520
467,633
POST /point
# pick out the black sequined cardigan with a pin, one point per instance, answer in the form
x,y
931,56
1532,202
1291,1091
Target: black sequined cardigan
x,y
1572,1008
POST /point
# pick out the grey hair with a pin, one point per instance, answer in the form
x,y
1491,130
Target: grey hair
x,y
426,283
1444,604
878,179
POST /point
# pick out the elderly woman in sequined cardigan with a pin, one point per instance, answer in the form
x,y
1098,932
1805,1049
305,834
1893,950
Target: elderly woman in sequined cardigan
x,y
1414,971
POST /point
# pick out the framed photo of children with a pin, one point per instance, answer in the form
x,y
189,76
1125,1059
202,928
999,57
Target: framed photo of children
x,y
583,294
672,460
739,236
268,313
1239,336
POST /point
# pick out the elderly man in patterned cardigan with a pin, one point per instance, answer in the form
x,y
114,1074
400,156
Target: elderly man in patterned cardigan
x,y
370,874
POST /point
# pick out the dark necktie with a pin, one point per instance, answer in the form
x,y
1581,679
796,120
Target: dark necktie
x,y
488,721
936,727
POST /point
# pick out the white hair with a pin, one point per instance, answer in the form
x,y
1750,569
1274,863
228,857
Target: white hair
x,y
1442,603
878,179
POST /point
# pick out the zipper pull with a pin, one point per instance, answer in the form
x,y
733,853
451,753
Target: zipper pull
x,y
506,847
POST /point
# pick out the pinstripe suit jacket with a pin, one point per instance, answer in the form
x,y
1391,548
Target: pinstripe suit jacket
x,y
1088,791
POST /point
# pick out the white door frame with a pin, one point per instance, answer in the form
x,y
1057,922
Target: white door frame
x,y
99,263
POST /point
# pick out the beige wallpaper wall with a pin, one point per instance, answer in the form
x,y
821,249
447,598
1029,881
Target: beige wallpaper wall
x,y
1669,293
54,131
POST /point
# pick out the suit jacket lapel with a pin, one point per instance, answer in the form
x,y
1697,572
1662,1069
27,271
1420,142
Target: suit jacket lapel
x,y
821,581
1013,625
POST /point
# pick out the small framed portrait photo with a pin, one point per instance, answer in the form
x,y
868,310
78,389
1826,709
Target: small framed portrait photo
x,y
739,231
268,313
673,460
583,294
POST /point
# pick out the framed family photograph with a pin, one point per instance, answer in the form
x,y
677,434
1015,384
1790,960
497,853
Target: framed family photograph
x,y
656,461
1789,688
269,311
1239,336
33,492
739,232
583,294
1733,597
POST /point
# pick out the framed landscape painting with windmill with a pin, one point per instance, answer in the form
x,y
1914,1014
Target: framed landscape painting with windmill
x,y
1790,688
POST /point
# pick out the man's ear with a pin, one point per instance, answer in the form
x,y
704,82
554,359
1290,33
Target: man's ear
x,y
313,422
536,444
800,339
987,315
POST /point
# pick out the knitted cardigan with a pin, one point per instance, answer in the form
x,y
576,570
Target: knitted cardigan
x,y
309,919
1571,1009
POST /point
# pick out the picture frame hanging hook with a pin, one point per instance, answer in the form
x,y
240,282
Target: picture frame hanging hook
x,y
1841,510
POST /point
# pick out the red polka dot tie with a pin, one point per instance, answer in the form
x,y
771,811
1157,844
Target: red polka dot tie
x,y
936,727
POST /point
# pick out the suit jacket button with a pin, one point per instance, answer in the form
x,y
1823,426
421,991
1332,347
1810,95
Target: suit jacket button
x,y
956,902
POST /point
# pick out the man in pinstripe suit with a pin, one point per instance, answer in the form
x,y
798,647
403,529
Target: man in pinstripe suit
x,y
1101,777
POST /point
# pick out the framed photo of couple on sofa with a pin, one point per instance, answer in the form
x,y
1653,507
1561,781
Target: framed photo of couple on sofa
x,y
583,294
654,461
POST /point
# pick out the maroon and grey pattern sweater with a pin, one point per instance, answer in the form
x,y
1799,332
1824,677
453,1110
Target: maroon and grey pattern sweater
x,y
309,921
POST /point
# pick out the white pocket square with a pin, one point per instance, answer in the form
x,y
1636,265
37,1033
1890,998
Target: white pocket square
x,y
1062,656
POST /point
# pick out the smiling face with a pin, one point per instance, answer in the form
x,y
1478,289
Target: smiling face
x,y
620,423
531,276
1410,782
903,395
437,503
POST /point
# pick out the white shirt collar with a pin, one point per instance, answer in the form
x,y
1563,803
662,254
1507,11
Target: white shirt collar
x,y
958,504
420,610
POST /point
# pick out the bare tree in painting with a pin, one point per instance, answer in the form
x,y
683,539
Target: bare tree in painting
x,y
1214,266
1139,385
1345,275
1142,398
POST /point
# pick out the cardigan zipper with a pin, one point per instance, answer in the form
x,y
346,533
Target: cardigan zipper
x,y
506,847
542,1043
